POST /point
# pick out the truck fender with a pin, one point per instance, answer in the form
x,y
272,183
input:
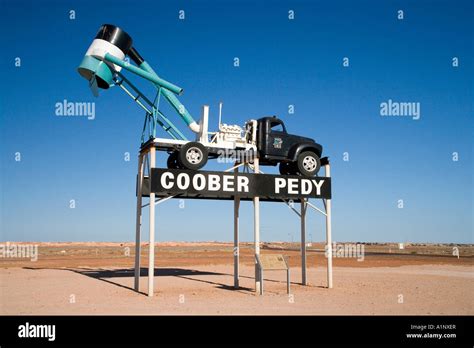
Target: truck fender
x,y
296,150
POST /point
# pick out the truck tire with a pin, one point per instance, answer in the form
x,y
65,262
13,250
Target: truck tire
x,y
288,168
308,163
172,162
192,155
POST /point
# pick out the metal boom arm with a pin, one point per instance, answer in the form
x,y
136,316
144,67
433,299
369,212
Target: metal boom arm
x,y
153,114
164,87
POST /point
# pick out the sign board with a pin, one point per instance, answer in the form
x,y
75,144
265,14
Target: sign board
x,y
272,262
223,185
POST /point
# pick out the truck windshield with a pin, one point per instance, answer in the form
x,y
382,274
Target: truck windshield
x,y
277,127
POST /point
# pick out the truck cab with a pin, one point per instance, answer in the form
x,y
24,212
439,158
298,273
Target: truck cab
x,y
295,154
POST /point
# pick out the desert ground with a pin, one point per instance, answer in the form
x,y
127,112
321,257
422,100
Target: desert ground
x,y
197,278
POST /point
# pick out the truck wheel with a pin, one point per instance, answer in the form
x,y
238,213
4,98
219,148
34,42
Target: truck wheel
x,y
192,155
172,162
308,163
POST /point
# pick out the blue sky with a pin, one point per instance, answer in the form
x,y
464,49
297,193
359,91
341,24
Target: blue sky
x,y
282,62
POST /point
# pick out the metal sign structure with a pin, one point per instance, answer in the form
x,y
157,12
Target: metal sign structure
x,y
112,53
160,185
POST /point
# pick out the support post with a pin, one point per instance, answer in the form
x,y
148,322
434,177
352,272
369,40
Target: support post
x,y
256,230
303,241
138,222
288,281
151,251
236,237
328,232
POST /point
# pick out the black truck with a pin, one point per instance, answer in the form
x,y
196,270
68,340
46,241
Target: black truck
x,y
296,155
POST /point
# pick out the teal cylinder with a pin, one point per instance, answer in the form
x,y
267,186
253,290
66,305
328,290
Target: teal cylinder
x,y
145,74
172,99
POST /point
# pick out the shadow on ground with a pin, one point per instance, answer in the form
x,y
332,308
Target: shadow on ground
x,y
107,275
